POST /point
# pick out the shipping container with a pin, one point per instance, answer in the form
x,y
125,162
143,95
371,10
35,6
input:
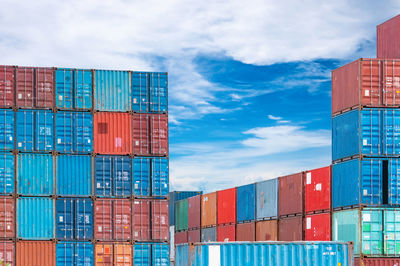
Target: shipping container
x,y
74,88
174,196
194,236
112,91
35,175
376,261
74,253
140,92
34,87
34,253
112,133
265,253
113,254
391,231
142,254
181,237
317,190
160,254
73,175
35,218
226,206
7,252
267,230
246,203
159,220
74,219
172,243
267,199
123,255
7,85
7,216
209,234
141,217
181,215
158,92
209,210
113,176
7,176
226,233
112,219
291,229
291,194
194,213
159,176
6,129
246,232
34,130
318,227
74,132
388,39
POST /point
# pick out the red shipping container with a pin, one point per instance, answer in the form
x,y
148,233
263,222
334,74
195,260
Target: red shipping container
x,y
160,221
140,134
35,253
226,233
194,212
388,39
226,206
112,133
6,86
141,220
317,194
7,252
291,229
34,87
112,219
291,194
7,207
246,232
376,261
194,236
181,237
318,227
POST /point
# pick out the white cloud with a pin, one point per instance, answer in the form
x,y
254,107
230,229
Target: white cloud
x,y
272,117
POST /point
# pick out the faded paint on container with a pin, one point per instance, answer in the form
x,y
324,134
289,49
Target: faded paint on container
x,y
34,253
7,177
209,234
142,254
181,215
74,253
35,174
35,218
226,206
158,92
159,220
194,236
74,132
178,195
194,213
317,227
291,229
74,175
246,232
267,230
181,237
7,252
6,129
291,194
141,216
160,254
7,216
317,190
226,233
112,133
34,130
112,91
376,261
7,85
246,203
388,39
209,210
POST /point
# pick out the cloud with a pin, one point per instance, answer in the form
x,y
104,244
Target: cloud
x,y
274,117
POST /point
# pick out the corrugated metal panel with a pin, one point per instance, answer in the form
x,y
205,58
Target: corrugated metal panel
x,y
181,237
291,194
7,215
7,84
246,232
35,218
74,131
35,174
318,227
194,213
6,129
122,255
104,254
391,82
160,254
181,215
112,176
113,91
291,229
159,220
267,230
140,134
246,209
388,39
390,131
141,176
158,92
142,254
74,218
7,176
178,195
159,176
226,206
40,253
140,92
209,209
83,89
194,236
159,134
7,252
317,190
64,88
391,218
74,253
376,261
74,173
264,253
25,78
209,234
141,216
112,133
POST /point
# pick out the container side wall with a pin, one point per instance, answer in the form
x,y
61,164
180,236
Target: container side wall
x,y
291,194
7,176
267,199
73,175
32,253
7,85
6,129
246,203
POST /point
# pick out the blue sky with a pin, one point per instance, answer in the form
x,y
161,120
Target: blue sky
x,y
249,80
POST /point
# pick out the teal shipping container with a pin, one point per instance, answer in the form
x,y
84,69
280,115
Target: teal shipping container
x,y
175,196
160,254
7,177
6,130
181,215
74,175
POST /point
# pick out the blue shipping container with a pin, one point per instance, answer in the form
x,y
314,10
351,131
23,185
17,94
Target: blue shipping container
x,y
159,176
73,175
34,130
64,88
160,254
174,197
140,92
142,254
7,177
267,199
6,129
265,253
158,92
74,132
113,175
35,218
113,91
35,175
74,253
245,203
74,219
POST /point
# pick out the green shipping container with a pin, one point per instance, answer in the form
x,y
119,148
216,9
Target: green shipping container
x,y
181,215
392,231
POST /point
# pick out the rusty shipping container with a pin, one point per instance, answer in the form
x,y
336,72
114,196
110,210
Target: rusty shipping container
x,y
7,217
317,190
226,233
209,209
141,219
194,214
7,252
318,227
7,84
159,216
117,254
267,230
34,253
291,194
291,229
181,237
388,39
226,206
246,232
194,236
376,261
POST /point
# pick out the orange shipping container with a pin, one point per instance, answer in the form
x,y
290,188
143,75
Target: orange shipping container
x,y
122,254
267,230
34,253
113,254
7,217
112,133
246,232
104,254
209,209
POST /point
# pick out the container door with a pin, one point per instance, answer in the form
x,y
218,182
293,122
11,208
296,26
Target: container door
x,y
122,220
6,86
83,254
391,82
65,218
64,131
104,254
25,130
159,209
370,80
65,253
83,219
7,129
392,190
122,174
371,235
140,90
44,130
103,175
391,131
25,78
159,176
122,255
371,181
83,135
142,254
391,232
141,219
141,176
74,175
83,89
346,228
159,135
7,173
141,131
44,87
371,125
158,92
103,222
160,254
64,89
7,212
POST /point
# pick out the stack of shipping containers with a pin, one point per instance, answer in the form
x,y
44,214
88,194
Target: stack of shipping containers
x,y
84,169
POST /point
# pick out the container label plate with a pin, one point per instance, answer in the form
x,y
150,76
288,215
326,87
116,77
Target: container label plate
x,y
308,176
